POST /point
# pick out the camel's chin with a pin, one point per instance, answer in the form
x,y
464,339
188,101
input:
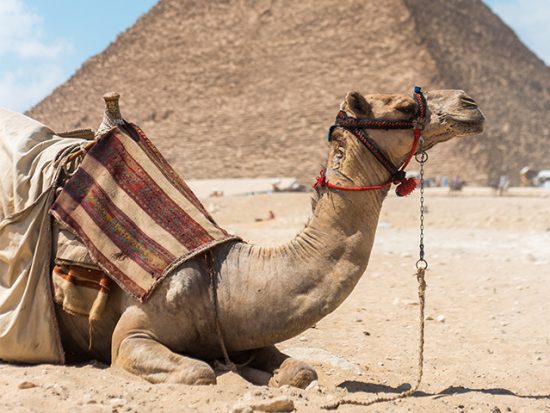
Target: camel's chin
x,y
465,126
468,130
468,124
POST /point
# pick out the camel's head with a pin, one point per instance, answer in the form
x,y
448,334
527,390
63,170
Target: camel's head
x,y
449,114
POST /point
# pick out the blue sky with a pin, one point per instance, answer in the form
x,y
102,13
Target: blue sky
x,y
43,42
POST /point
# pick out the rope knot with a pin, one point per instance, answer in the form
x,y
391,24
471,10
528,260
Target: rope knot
x,y
398,177
406,187
321,179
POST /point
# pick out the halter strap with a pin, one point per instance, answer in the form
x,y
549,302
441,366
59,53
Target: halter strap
x,y
357,127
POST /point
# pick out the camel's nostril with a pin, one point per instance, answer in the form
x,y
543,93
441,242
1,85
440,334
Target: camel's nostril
x,y
468,102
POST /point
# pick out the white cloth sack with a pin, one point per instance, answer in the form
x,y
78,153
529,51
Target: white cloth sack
x,y
30,162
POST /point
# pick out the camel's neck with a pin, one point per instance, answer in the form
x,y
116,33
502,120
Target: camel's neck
x,y
284,290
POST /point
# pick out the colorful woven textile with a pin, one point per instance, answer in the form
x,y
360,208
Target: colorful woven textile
x,y
81,291
136,216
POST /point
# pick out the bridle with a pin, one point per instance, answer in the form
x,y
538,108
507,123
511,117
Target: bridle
x,y
357,127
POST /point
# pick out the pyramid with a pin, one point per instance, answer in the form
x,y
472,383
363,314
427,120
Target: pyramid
x,y
243,88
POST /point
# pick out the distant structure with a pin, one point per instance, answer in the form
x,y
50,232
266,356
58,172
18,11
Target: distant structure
x,y
248,88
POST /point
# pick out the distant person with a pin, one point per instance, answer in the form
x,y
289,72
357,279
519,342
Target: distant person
x,y
528,176
503,184
444,181
456,183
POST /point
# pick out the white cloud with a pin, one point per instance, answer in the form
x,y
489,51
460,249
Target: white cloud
x,y
530,20
21,33
30,66
26,86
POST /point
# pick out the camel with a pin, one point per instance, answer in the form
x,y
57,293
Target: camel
x,y
266,295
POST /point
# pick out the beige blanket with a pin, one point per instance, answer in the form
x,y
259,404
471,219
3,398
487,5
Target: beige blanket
x,y
30,156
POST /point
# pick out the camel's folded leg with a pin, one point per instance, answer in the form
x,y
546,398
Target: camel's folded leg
x,y
151,360
284,369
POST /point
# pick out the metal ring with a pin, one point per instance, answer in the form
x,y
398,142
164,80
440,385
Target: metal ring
x,y
421,157
421,264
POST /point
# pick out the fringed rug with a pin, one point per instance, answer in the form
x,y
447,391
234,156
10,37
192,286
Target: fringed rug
x,y
136,216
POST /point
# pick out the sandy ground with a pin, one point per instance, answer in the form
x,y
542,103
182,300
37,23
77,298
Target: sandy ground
x,y
487,332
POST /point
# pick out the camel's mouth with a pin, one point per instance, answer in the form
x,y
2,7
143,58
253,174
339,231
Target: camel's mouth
x,y
456,112
467,123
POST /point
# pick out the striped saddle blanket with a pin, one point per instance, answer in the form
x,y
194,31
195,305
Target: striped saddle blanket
x,y
137,218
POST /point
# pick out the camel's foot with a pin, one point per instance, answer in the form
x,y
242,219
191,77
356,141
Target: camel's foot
x,y
193,372
155,363
283,369
294,373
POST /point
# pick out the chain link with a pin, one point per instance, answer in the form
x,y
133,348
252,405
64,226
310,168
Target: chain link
x,y
421,157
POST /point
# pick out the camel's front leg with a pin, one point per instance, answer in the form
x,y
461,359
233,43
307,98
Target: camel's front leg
x,y
282,368
135,350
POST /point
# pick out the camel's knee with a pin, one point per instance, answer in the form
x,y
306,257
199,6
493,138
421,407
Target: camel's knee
x,y
293,373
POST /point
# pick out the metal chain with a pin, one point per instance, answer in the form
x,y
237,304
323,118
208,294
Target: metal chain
x,y
421,157
421,266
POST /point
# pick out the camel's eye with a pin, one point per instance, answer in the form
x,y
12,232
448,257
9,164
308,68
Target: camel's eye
x,y
338,157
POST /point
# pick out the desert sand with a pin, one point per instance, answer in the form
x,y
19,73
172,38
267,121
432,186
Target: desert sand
x,y
487,319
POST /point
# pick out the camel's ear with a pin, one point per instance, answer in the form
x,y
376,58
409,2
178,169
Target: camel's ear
x,y
356,104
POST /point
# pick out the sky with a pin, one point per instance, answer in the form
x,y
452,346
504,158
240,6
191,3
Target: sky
x,y
43,42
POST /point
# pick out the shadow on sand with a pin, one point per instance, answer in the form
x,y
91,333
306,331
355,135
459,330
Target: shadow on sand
x,y
353,386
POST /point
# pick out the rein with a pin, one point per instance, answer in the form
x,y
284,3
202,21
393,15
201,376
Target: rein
x,y
357,127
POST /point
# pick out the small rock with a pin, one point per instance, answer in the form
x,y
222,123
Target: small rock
x,y
441,318
275,404
429,318
241,408
303,338
496,410
117,402
26,385
366,333
357,320
89,399
313,386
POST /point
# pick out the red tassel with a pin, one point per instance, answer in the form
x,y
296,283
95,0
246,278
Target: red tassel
x,y
406,187
321,179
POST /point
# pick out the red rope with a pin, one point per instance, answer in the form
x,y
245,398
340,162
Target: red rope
x,y
405,186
